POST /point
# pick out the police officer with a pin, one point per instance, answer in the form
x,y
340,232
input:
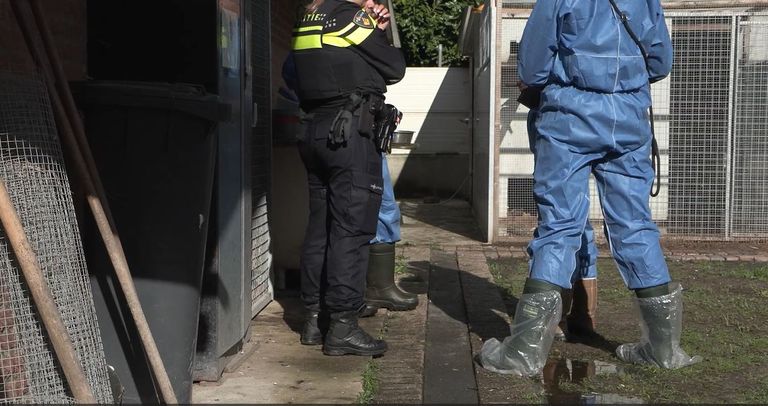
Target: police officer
x,y
343,64
593,118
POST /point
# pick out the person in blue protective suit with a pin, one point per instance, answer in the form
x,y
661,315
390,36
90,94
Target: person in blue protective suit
x,y
381,290
579,309
593,119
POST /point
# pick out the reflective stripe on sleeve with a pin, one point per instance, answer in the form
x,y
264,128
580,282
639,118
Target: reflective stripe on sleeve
x,y
355,37
301,42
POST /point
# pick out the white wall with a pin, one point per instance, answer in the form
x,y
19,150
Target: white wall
x,y
435,102
436,105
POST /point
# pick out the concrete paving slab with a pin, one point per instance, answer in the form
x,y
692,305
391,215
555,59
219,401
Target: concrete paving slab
x,y
449,376
281,370
400,370
448,222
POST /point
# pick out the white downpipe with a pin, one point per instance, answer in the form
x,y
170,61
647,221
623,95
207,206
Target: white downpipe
x,y
492,177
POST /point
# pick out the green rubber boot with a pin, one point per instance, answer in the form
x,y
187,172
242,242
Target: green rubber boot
x,y
381,291
661,326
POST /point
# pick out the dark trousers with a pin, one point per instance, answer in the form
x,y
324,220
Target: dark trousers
x,y
345,186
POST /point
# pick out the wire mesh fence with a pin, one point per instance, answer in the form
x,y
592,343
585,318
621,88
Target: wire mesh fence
x,y
32,166
711,125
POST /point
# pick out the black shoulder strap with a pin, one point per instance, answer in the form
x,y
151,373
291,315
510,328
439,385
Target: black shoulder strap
x,y
625,23
655,157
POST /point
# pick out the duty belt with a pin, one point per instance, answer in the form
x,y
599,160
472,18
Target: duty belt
x,y
360,113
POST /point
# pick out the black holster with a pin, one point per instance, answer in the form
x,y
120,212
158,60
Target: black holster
x,y
387,120
360,113
369,112
343,124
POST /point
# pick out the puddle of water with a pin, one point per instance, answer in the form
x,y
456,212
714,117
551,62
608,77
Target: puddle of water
x,y
558,372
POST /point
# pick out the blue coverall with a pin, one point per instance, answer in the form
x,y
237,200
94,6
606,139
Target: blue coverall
x,y
586,257
594,119
388,227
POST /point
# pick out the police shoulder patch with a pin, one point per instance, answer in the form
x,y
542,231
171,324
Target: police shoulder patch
x,y
362,19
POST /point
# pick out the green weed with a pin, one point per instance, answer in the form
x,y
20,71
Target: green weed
x,y
370,383
401,265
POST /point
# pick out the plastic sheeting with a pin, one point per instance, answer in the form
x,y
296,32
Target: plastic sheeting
x,y
525,351
661,323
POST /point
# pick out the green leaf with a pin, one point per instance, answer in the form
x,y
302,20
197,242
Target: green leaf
x,y
424,25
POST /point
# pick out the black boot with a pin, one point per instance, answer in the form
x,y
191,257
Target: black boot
x,y
382,290
310,333
368,311
346,337
661,325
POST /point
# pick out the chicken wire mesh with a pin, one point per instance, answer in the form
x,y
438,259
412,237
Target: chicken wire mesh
x,y
711,125
32,166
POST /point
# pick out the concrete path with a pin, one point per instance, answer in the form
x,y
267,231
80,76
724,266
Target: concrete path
x,y
430,349
280,370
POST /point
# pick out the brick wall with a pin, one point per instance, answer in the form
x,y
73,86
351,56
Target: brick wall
x,y
66,21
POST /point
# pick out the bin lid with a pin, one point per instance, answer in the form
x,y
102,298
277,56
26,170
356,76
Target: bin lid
x,y
182,97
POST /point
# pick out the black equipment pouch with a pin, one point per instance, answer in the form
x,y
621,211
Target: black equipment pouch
x,y
369,112
342,125
386,123
530,97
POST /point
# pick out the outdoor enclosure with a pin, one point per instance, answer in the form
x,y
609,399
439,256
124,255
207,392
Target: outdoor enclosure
x,y
711,125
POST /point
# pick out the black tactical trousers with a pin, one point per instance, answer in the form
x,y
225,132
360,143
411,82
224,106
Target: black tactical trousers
x,y
345,187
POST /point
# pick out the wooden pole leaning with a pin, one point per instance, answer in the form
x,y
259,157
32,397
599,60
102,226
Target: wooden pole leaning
x,y
73,138
43,300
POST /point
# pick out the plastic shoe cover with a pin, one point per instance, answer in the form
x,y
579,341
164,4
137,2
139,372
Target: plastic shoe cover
x,y
525,351
661,324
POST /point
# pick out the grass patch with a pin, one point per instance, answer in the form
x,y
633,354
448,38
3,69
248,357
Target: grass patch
x,y
532,398
510,280
370,383
744,270
370,376
724,321
401,265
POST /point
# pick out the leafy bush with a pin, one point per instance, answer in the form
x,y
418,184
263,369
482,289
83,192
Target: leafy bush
x,y
425,24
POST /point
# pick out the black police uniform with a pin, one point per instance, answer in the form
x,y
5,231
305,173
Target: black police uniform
x,y
338,51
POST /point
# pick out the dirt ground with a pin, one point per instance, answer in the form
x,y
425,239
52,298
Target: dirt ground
x,y
679,246
725,322
738,248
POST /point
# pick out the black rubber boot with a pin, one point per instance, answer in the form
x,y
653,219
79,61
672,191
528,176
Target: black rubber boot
x,y
661,327
368,311
346,337
382,292
310,333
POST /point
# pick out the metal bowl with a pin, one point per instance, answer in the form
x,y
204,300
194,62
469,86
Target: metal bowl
x,y
403,137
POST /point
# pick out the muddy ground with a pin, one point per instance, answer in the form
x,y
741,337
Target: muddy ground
x,y
725,321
